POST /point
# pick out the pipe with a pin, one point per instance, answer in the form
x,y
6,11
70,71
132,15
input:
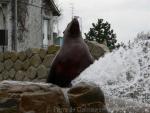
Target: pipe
x,y
14,24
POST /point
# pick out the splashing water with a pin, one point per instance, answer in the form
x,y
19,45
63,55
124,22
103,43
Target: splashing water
x,y
124,73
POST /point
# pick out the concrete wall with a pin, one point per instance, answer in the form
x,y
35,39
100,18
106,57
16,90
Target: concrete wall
x,y
7,25
32,36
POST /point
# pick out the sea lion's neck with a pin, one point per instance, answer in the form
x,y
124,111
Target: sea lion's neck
x,y
72,39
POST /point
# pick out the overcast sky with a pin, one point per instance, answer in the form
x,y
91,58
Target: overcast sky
x,y
127,17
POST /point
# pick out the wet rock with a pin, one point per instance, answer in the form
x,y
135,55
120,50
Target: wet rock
x,y
29,97
46,102
38,98
97,50
87,98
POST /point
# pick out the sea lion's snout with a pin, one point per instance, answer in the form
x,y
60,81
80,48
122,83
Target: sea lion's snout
x,y
75,27
75,20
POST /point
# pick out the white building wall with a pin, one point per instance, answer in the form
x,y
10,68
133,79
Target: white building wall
x,y
33,37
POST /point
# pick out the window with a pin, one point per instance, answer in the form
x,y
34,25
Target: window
x,y
45,32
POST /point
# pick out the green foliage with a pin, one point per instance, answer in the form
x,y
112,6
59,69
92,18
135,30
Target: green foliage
x,y
103,34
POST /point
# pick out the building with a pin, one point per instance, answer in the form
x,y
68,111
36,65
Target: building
x,y
26,23
57,39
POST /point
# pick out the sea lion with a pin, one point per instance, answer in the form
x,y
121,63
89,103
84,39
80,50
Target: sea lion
x,y
72,58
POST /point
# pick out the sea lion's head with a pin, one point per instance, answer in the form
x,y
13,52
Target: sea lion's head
x,y
73,29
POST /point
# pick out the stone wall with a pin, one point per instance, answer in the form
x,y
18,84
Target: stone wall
x,y
29,65
34,64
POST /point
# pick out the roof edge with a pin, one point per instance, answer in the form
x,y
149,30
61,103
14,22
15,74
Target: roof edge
x,y
56,11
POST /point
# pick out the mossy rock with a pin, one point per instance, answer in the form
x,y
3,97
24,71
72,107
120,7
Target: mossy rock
x,y
22,56
42,53
35,60
1,57
14,56
7,55
53,49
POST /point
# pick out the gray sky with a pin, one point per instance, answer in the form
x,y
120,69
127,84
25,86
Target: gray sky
x,y
127,17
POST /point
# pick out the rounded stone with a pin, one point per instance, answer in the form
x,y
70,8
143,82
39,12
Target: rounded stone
x,y
42,53
90,45
31,73
35,60
97,50
8,64
39,80
18,65
53,49
35,50
1,77
22,56
48,60
26,64
42,72
14,56
26,78
12,73
1,57
32,51
43,102
88,94
5,75
28,52
1,67
19,75
7,55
